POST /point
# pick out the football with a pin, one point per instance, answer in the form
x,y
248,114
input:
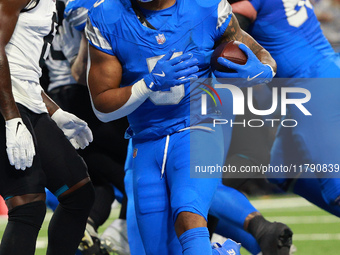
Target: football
x,y
230,51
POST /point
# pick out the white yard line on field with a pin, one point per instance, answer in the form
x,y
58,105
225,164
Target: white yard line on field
x,y
305,219
281,203
296,237
41,243
316,237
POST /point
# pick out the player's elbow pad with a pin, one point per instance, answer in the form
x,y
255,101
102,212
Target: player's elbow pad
x,y
139,93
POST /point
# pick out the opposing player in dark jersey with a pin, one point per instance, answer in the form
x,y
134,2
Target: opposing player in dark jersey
x,y
106,155
36,149
133,60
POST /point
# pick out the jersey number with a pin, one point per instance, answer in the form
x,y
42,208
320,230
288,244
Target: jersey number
x,y
296,11
174,96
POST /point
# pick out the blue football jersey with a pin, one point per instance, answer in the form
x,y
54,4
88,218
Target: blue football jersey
x,y
76,12
193,26
290,31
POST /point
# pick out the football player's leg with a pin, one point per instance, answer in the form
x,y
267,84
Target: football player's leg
x,y
134,237
284,152
151,198
232,209
135,244
101,209
67,178
123,233
115,236
249,147
24,222
98,162
104,162
191,197
231,205
24,194
309,188
318,135
100,157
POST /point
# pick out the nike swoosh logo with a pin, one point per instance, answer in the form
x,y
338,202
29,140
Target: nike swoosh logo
x,y
252,78
18,125
160,74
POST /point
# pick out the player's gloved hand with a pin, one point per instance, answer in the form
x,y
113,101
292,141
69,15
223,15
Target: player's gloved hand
x,y
19,142
172,72
229,246
75,129
253,72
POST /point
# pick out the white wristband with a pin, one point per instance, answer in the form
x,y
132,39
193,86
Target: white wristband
x,y
140,90
57,114
139,93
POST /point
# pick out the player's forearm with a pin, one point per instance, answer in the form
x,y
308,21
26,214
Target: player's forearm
x,y
111,99
234,32
265,58
51,106
78,67
119,102
8,106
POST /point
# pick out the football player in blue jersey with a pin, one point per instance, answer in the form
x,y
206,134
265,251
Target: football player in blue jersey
x,y
306,54
141,61
292,34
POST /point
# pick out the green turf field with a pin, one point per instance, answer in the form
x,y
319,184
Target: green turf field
x,y
315,232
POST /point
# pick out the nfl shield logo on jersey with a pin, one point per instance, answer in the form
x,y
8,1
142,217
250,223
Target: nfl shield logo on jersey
x,y
160,38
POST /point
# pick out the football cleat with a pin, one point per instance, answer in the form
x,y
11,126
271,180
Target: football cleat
x,y
276,239
114,238
91,244
229,247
